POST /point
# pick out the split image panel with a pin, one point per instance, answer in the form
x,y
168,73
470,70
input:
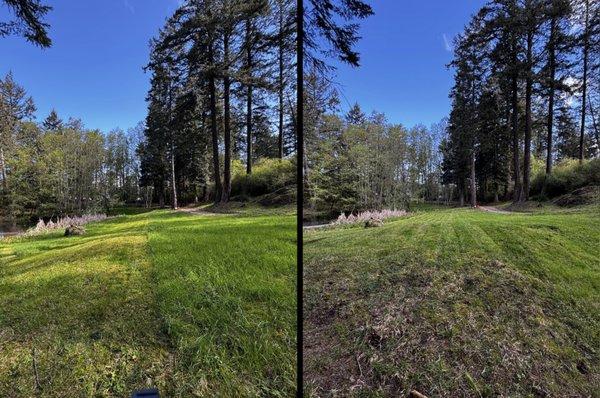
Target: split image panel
x,y
314,198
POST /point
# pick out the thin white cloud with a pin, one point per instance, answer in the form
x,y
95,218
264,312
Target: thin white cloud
x,y
447,44
128,5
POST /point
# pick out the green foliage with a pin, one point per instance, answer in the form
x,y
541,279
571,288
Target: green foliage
x,y
268,176
567,176
369,165
67,171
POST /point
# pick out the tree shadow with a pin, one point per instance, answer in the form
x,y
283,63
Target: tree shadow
x,y
87,313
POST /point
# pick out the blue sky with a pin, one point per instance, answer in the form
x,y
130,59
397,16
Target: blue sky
x,y
93,71
94,68
404,51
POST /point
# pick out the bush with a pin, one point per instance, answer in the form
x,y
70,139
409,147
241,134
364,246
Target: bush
x,y
567,176
268,176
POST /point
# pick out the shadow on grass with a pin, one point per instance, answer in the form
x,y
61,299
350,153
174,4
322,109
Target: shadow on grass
x,y
86,312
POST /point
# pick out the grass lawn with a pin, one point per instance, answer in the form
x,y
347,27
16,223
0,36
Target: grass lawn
x,y
455,303
195,304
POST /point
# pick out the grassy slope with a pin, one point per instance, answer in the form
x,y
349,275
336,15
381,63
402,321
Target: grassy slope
x,y
455,303
198,305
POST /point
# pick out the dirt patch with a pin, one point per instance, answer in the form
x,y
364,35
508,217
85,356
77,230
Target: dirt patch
x,y
492,209
476,332
198,211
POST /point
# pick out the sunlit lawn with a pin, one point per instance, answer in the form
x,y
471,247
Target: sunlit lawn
x,y
197,305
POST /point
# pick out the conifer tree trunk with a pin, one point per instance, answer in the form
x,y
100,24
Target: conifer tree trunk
x,y
249,98
280,84
550,121
515,139
3,171
528,89
174,205
584,83
214,132
473,184
594,125
161,194
227,123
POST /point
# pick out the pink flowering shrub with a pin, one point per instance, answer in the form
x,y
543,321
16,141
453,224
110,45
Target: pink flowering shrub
x,y
368,215
64,222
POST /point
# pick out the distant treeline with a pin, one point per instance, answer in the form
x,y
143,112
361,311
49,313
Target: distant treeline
x,y
58,168
222,98
360,162
527,85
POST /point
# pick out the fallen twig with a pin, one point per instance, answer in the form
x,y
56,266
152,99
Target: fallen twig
x,y
416,394
35,372
359,367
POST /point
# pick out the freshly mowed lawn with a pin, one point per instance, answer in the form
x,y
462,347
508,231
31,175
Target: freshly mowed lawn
x,y
197,305
455,303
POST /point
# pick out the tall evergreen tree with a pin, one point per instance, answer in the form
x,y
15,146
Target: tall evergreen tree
x,y
15,106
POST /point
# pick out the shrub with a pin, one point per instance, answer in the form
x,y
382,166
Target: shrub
x,y
268,176
567,176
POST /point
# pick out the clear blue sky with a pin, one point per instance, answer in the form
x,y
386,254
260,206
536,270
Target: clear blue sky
x,y
93,71
403,59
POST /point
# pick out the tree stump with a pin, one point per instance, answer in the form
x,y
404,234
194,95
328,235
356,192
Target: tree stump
x,y
373,222
74,230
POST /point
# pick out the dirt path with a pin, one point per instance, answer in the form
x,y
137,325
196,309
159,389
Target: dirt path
x,y
493,209
317,226
197,211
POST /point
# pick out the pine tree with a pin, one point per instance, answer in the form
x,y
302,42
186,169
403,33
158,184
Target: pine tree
x,y
555,71
355,115
52,122
531,20
285,15
225,58
587,41
15,106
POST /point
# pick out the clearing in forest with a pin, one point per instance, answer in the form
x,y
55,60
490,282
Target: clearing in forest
x,y
455,302
191,304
